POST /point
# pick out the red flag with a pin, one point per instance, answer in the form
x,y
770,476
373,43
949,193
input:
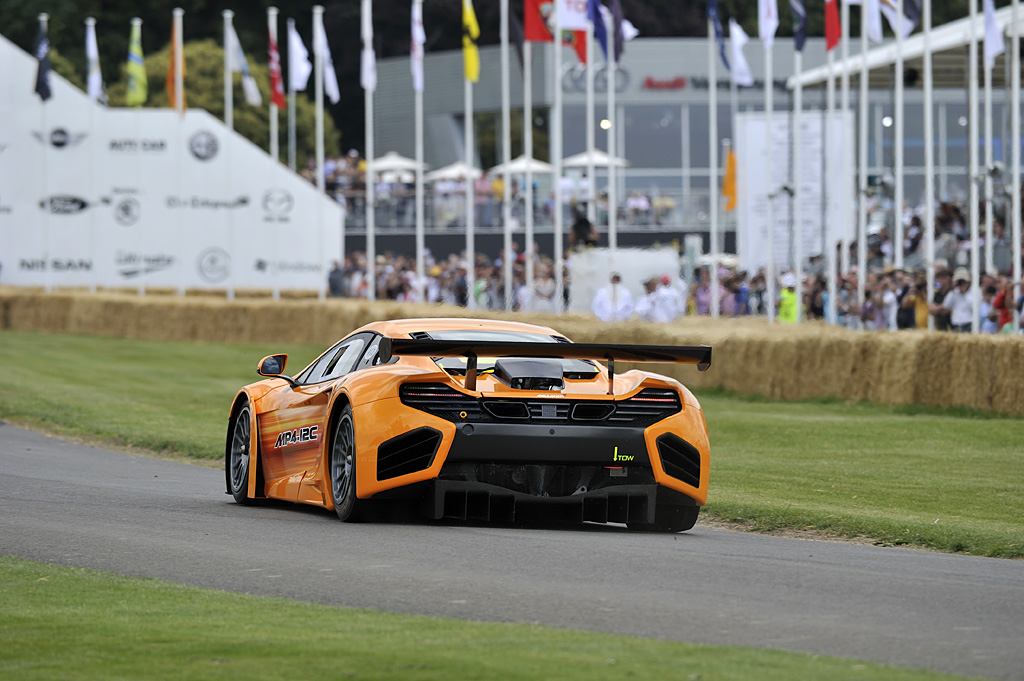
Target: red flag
x,y
538,27
276,83
578,41
832,28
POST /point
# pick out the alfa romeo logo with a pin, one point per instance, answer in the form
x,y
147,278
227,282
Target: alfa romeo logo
x,y
127,211
203,145
214,265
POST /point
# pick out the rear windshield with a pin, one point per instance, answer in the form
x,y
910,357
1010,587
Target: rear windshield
x,y
571,368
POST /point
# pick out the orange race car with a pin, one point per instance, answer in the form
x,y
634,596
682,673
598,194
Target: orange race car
x,y
475,419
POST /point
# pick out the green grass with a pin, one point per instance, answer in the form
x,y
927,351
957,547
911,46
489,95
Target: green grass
x,y
71,623
952,481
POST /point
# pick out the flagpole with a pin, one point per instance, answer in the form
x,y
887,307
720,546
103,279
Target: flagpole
x,y
136,21
44,21
830,229
988,166
291,105
528,149
371,178
506,145
929,158
713,168
844,105
798,211
1015,158
274,146
421,287
613,130
90,26
770,170
229,99
179,105
470,194
556,144
898,114
591,180
972,170
318,98
862,198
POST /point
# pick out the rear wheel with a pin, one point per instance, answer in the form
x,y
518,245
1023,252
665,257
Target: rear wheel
x,y
669,519
238,458
343,468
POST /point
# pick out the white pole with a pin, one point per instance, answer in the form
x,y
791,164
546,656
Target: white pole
x,y
684,126
291,108
470,199
179,105
421,285
1015,158
613,130
713,168
556,143
798,213
136,21
371,178
830,192
318,98
274,145
862,198
845,209
229,99
988,165
929,158
591,180
897,246
769,103
528,150
44,20
90,23
506,145
943,152
972,169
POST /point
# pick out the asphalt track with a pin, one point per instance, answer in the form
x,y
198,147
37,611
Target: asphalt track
x,y
74,505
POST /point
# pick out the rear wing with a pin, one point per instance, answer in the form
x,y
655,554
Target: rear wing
x,y
471,350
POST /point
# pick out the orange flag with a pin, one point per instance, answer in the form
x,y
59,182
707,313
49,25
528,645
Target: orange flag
x,y
170,82
729,182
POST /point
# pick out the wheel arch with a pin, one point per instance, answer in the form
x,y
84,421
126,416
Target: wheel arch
x,y
340,402
243,399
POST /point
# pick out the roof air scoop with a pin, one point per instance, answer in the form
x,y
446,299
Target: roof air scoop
x,y
529,374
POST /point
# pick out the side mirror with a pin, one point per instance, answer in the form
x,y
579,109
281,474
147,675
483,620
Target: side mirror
x,y
272,366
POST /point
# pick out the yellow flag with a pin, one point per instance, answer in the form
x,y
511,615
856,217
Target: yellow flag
x,y
470,34
137,84
729,182
169,83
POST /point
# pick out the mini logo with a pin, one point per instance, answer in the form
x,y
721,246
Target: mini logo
x,y
277,203
203,145
63,204
127,211
60,138
214,265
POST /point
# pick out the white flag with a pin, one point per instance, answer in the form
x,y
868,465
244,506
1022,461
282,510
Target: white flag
x,y
574,14
767,21
740,68
94,78
320,43
899,23
874,22
368,63
238,64
994,45
299,66
419,38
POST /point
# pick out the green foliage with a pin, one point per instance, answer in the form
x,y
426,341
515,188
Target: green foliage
x,y
204,89
63,66
69,623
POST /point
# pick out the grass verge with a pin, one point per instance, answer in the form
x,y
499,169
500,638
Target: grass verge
x,y
951,481
71,623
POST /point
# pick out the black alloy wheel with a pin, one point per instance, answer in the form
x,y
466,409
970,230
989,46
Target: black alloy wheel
x,y
238,461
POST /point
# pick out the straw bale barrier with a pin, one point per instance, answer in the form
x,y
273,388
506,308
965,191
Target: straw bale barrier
x,y
750,356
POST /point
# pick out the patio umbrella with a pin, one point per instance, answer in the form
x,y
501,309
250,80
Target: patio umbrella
x,y
392,161
600,160
455,171
518,166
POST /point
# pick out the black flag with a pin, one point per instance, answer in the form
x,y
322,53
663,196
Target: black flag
x,y
43,56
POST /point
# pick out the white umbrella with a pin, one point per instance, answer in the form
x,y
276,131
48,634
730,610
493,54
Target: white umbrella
x,y
393,161
455,171
600,160
518,166
395,176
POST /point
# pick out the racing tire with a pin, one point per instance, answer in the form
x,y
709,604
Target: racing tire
x,y
238,456
343,468
670,519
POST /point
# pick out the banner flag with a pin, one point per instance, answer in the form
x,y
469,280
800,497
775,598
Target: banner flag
x,y
368,58
600,32
994,44
330,77
833,30
729,181
137,91
716,21
169,81
740,68
299,66
574,14
767,21
274,65
799,23
94,77
239,64
43,68
470,36
419,39
902,24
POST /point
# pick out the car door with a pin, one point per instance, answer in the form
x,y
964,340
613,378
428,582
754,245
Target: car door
x,y
292,435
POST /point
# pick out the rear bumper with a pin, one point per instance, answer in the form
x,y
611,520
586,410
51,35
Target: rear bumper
x,y
549,444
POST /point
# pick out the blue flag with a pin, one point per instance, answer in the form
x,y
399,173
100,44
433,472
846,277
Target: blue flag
x,y
714,19
43,57
600,34
799,23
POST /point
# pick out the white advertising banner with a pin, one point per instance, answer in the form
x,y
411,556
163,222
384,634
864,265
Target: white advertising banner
x,y
145,197
756,185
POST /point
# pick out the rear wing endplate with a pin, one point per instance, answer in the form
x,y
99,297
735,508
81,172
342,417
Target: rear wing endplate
x,y
471,350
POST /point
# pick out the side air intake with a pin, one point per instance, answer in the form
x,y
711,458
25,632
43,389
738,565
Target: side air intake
x,y
407,453
679,459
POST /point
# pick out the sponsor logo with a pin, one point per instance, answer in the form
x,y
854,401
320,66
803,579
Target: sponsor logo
x,y
677,83
574,78
214,265
621,457
282,266
277,204
127,211
68,265
296,436
129,144
60,138
203,145
64,204
206,203
130,265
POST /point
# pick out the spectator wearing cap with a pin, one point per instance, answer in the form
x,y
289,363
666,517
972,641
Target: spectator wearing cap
x,y
669,301
943,285
613,303
645,306
787,299
958,302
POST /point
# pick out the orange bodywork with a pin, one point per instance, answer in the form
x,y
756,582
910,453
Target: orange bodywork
x,y
292,424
